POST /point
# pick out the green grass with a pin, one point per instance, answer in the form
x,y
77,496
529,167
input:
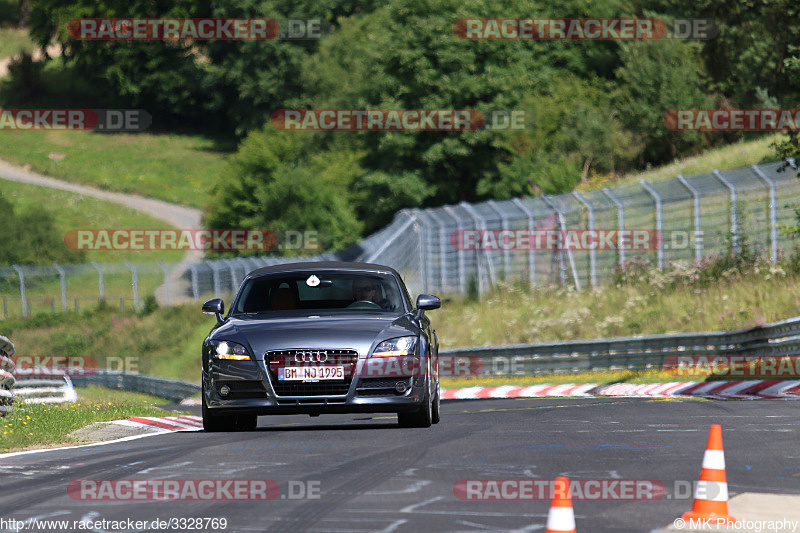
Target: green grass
x,y
172,167
13,40
511,314
166,342
732,156
32,425
74,211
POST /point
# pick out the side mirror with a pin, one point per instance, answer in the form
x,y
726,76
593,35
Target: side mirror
x,y
427,302
215,307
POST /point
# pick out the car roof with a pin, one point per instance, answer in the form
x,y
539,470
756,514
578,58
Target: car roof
x,y
324,265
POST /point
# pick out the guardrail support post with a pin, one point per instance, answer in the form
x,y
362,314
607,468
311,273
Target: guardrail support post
x,y
773,214
506,251
134,284
166,281
195,282
734,221
100,281
62,276
462,278
620,219
593,251
659,221
481,223
531,228
23,299
698,244
562,221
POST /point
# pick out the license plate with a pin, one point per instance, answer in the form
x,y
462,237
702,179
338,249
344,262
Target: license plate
x,y
310,373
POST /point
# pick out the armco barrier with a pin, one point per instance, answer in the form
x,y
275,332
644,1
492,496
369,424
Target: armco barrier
x,y
165,388
7,379
777,339
57,389
780,338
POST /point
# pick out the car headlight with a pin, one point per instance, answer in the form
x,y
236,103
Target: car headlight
x,y
229,350
395,347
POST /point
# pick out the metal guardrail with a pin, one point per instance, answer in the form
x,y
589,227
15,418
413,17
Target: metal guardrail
x,y
7,379
53,390
641,352
164,388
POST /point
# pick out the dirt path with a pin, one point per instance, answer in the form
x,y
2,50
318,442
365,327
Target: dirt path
x,y
52,50
179,216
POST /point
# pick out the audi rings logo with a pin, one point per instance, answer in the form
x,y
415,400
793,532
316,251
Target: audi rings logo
x,y
311,357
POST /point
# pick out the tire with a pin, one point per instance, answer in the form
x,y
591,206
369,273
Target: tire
x,y
420,418
246,422
435,418
214,423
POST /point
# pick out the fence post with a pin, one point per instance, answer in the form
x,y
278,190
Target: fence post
x,y
166,282
195,282
462,278
481,223
734,221
422,227
213,266
698,246
659,220
22,290
506,251
100,281
134,284
620,219
232,270
562,221
531,228
62,276
443,242
593,251
773,215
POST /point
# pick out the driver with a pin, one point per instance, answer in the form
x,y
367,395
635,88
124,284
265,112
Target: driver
x,y
370,291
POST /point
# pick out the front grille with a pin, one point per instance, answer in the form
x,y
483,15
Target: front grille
x,y
380,386
277,358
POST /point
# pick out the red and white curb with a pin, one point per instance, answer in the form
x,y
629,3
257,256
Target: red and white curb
x,y
164,424
741,389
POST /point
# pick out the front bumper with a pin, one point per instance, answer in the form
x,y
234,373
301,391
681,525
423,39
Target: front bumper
x,y
252,392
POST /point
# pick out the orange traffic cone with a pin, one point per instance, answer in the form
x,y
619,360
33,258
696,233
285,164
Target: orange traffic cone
x,y
561,518
711,494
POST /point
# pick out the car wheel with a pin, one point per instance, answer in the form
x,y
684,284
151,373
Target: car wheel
x,y
213,423
435,418
246,422
420,418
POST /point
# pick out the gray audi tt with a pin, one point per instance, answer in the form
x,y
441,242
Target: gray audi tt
x,y
315,338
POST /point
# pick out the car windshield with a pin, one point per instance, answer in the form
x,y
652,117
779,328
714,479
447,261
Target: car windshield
x,y
326,291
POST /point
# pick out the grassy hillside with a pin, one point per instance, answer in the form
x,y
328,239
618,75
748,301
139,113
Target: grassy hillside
x,y
172,167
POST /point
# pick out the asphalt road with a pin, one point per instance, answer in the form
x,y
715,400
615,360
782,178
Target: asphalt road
x,y
373,476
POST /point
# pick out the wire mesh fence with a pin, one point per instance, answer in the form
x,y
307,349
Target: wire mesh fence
x,y
468,248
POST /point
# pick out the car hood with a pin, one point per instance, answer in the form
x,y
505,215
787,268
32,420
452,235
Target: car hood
x,y
345,331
